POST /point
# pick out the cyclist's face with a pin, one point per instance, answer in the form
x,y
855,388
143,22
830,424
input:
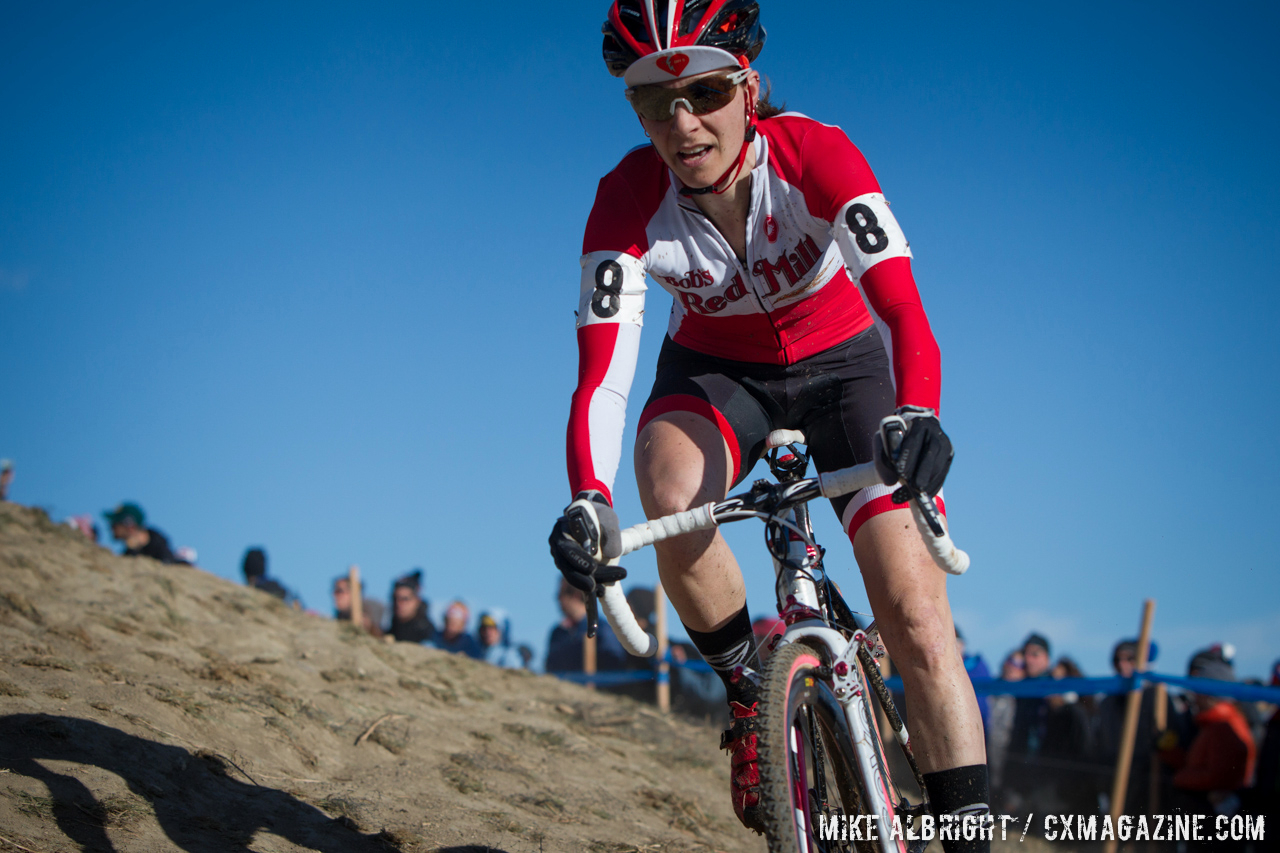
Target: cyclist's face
x,y
699,149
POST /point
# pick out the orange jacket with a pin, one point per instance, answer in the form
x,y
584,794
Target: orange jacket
x,y
1222,755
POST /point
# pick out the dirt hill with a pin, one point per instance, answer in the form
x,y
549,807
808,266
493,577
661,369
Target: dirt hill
x,y
159,708
147,707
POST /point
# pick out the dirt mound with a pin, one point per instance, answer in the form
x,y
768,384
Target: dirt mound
x,y
147,707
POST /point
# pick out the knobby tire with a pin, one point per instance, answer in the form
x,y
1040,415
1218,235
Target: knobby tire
x,y
821,777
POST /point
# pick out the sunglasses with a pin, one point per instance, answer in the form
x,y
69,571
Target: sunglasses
x,y
655,102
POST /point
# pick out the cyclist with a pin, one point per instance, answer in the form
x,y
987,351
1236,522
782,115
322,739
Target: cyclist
x,y
794,307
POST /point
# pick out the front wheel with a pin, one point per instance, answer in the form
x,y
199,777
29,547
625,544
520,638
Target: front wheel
x,y
812,786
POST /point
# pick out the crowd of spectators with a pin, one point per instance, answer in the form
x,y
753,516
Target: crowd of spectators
x,y
1058,753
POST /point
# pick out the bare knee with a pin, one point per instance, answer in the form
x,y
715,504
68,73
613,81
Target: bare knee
x,y
919,636
681,462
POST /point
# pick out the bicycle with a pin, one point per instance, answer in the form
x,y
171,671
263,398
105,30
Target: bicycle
x,y
821,758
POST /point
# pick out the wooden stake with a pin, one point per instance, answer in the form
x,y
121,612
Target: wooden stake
x,y
357,603
664,668
589,659
1124,761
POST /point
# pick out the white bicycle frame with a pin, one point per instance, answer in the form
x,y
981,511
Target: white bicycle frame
x,y
800,608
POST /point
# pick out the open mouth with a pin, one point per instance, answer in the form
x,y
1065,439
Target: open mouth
x,y
695,157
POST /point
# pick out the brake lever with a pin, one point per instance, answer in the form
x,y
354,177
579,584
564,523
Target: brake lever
x,y
593,613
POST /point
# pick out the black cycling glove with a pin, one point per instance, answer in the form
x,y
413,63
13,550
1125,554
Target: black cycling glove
x,y
912,448
584,539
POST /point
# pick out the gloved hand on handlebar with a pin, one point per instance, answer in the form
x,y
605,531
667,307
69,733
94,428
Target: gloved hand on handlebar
x,y
584,539
912,448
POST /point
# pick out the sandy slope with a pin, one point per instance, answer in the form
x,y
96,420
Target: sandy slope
x,y
152,708
148,708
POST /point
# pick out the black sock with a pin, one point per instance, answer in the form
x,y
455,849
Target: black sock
x,y
956,794
728,648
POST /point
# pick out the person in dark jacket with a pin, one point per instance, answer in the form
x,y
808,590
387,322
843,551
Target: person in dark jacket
x,y
1068,740
128,526
1025,781
410,612
254,567
1109,726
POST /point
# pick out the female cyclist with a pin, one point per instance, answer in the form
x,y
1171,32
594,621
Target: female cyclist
x,y
795,308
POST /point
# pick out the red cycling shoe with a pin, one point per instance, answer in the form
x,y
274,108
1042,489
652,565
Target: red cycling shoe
x,y
744,772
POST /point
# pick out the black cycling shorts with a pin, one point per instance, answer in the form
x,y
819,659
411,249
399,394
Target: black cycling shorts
x,y
836,398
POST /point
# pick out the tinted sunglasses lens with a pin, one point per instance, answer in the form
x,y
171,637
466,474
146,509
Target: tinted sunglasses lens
x,y
704,96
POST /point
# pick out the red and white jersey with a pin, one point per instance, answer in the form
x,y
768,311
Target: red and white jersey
x,y
825,258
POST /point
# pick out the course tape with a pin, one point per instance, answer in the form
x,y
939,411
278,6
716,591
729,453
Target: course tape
x,y
1035,688
1038,688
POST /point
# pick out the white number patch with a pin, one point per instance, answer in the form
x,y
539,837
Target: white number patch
x,y
868,233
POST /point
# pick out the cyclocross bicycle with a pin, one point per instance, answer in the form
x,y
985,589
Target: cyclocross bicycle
x,y
822,762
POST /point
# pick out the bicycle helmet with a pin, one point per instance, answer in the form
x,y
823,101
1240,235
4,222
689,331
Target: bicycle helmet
x,y
653,41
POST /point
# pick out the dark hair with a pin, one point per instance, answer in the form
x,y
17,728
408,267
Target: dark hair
x,y
1035,640
255,563
765,108
412,580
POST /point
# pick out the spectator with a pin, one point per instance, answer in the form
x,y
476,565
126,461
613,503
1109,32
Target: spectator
x,y
1024,780
977,668
128,526
1265,797
6,477
372,610
642,601
1109,725
454,638
1210,775
254,567
1000,726
564,647
1067,744
410,612
495,640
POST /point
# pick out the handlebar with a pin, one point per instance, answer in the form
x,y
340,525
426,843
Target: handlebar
x,y
762,500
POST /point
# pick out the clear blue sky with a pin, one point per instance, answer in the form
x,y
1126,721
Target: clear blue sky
x,y
303,275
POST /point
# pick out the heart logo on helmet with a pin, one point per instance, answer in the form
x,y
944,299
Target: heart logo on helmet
x,y
673,64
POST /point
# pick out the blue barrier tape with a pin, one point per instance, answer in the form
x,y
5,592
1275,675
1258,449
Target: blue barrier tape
x,y
1242,692
1034,688
1039,688
606,679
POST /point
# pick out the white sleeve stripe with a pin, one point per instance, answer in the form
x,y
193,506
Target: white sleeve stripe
x,y
607,409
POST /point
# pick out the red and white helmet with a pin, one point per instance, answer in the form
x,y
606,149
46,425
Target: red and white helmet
x,y
653,41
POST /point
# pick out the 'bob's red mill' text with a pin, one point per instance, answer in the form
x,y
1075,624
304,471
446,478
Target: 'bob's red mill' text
x,y
1179,827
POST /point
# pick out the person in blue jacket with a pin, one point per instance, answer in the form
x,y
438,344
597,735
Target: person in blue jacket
x,y
454,637
495,640
564,648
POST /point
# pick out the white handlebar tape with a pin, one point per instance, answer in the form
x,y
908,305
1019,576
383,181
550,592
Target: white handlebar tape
x,y
836,483
657,529
783,437
633,638
949,558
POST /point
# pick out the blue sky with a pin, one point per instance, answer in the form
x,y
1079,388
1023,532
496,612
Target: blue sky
x,y
303,275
